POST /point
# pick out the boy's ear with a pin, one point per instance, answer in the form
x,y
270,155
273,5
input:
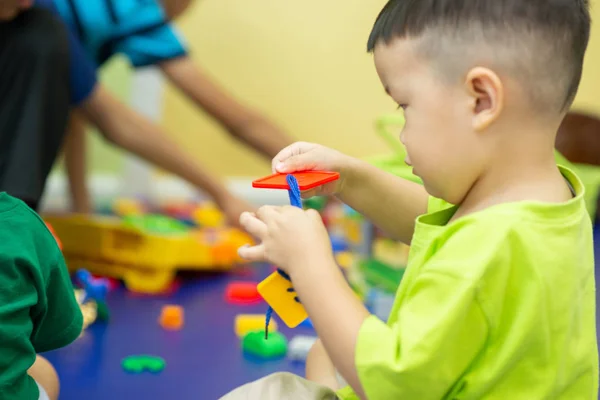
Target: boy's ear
x,y
487,93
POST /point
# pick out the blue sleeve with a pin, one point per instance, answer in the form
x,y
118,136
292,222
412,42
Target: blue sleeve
x,y
82,72
151,46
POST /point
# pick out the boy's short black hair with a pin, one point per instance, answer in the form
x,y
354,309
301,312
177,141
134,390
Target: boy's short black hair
x,y
548,35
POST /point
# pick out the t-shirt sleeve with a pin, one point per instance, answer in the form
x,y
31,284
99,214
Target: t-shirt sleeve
x,y
59,320
439,329
152,46
82,72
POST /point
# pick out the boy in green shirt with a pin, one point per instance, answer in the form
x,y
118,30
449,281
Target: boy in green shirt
x,y
498,301
38,310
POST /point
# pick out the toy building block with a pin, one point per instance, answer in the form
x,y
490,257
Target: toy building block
x,y
51,229
94,288
300,346
245,323
344,259
156,224
242,293
124,207
255,344
139,364
171,317
276,292
208,216
307,323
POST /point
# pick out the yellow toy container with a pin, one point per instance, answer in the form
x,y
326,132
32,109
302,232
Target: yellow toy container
x,y
146,262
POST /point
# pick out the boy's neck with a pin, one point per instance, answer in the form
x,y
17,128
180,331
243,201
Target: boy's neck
x,y
522,172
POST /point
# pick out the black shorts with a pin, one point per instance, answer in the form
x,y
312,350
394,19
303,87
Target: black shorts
x,y
34,101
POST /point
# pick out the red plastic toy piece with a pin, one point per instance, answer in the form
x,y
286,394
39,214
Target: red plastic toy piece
x,y
306,180
242,293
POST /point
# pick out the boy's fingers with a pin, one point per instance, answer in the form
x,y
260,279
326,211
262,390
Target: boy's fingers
x,y
281,160
266,213
253,225
301,162
252,253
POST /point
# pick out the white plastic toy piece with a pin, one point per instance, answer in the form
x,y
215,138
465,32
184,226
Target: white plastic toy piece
x,y
299,347
380,304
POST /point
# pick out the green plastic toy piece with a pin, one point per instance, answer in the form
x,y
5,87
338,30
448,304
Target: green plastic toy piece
x,y
103,311
139,364
381,275
158,224
316,203
275,346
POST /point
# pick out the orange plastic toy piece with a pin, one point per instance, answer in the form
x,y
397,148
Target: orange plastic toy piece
x,y
58,242
306,180
171,317
242,293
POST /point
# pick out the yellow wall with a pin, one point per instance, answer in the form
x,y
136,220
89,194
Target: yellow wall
x,y
304,63
588,98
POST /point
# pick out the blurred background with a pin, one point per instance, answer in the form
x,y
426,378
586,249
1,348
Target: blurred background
x,y
303,64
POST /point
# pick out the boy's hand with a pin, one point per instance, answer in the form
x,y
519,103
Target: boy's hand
x,y
291,238
303,156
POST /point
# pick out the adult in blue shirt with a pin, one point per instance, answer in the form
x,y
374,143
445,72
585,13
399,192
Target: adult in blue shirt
x,y
143,32
53,75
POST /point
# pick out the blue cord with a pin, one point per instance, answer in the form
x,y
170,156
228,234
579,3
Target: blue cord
x,y
296,201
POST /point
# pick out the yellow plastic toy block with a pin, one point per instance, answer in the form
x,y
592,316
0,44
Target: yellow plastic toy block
x,y
274,290
245,323
209,216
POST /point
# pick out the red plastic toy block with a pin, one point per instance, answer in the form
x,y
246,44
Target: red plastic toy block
x,y
306,180
242,293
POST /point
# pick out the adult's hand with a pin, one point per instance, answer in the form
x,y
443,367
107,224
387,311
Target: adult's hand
x,y
11,8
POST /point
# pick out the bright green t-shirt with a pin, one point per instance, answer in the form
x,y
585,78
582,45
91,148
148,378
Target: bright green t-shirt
x,y
499,304
38,310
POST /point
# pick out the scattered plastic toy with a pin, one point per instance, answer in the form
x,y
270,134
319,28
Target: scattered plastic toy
x,y
95,289
307,323
300,346
139,364
171,317
242,293
380,303
344,259
245,323
255,344
102,311
58,242
209,216
127,207
157,224
338,244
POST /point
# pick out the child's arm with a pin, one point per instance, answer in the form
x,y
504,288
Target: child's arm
x,y
129,130
75,162
244,124
392,203
437,328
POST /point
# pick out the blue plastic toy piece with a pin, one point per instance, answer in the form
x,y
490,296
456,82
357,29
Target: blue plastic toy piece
x,y
95,289
307,323
338,244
